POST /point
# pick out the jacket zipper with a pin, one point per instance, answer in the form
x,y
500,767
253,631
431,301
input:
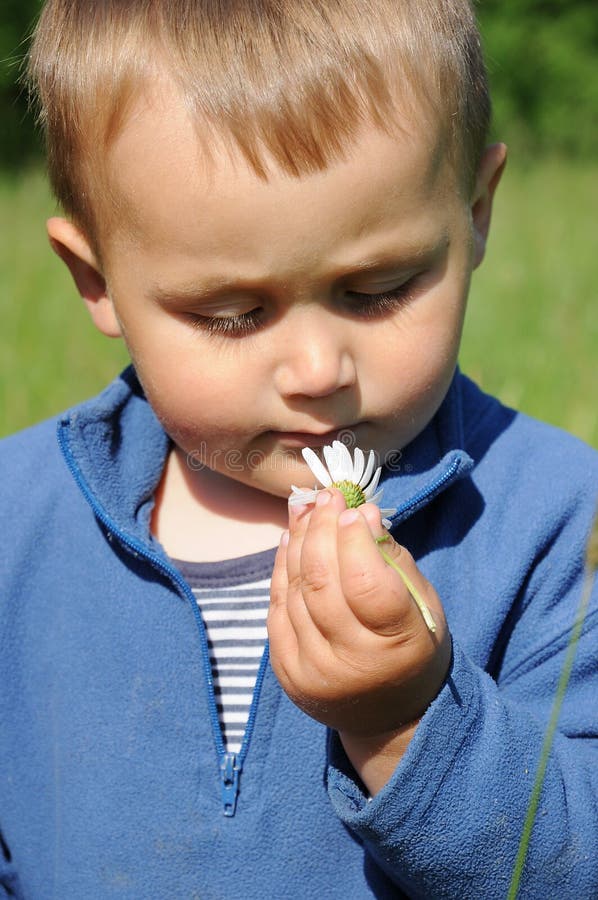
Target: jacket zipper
x,y
426,492
230,764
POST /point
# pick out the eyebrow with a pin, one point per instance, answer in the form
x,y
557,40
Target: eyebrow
x,y
400,261
193,290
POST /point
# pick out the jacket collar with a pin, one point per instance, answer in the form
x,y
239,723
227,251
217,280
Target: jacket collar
x,y
431,462
116,450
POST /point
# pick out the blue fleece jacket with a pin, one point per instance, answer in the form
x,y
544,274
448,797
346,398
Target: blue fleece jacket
x,y
111,781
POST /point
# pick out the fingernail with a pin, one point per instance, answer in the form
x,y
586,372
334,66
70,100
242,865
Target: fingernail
x,y
296,510
323,498
348,517
284,538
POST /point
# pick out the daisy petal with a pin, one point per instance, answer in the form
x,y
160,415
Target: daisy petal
x,y
303,498
368,469
371,488
347,460
358,465
331,457
338,459
342,466
317,466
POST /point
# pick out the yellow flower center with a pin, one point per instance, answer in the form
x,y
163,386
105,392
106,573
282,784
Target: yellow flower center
x,y
352,493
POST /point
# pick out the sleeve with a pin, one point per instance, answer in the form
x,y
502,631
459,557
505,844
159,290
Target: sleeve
x,y
449,822
9,881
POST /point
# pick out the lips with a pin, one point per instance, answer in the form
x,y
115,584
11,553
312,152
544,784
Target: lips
x,y
310,439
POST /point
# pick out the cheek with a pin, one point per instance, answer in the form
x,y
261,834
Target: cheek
x,y
220,414
419,345
198,425
415,361
181,369
441,322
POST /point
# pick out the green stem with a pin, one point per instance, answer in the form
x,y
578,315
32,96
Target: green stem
x,y
415,594
548,737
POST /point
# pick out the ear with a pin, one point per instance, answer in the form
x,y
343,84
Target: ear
x,y
492,165
75,251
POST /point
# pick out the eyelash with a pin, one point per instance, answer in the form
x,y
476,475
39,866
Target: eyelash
x,y
370,306
229,326
373,305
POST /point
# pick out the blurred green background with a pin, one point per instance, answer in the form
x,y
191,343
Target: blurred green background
x,y
532,330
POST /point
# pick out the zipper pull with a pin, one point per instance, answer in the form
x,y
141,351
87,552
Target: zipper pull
x,y
229,774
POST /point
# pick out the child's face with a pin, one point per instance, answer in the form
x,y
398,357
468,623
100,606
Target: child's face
x,y
262,317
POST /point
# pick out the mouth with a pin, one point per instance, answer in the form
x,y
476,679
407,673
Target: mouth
x,y
310,439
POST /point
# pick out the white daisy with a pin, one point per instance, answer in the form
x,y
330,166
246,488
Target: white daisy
x,y
355,478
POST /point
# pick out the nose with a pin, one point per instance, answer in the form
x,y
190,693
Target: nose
x,y
315,359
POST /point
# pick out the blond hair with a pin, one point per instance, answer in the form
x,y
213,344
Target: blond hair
x,y
292,80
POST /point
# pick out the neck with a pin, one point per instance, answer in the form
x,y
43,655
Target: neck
x,y
202,515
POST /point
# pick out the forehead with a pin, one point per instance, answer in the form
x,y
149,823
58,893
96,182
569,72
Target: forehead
x,y
169,197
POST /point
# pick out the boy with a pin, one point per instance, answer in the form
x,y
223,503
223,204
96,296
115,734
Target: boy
x,y
278,206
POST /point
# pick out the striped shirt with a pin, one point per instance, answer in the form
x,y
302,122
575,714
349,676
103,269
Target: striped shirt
x,y
233,596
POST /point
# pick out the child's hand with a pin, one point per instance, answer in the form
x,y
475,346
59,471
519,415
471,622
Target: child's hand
x,y
348,644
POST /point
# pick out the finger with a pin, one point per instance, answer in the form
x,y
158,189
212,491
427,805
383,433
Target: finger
x,y
320,580
279,582
377,591
299,517
297,610
375,597
281,633
283,636
422,593
289,622
371,513
318,564
298,652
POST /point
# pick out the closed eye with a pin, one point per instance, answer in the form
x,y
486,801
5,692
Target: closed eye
x,y
235,326
373,305
357,303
